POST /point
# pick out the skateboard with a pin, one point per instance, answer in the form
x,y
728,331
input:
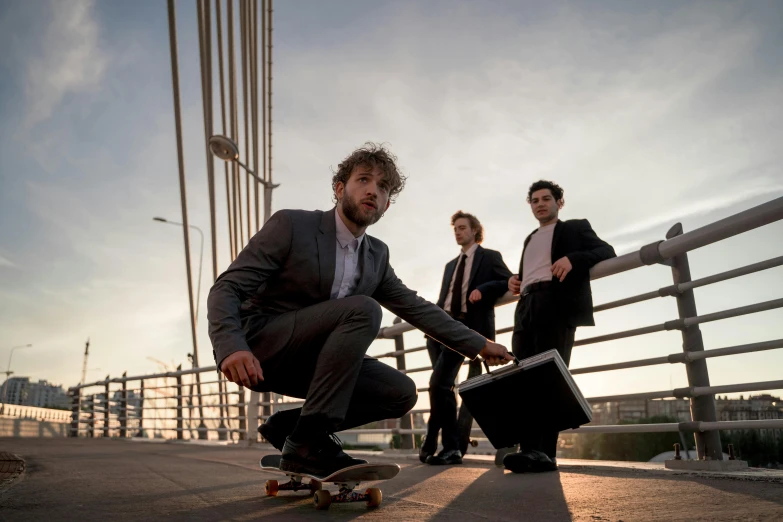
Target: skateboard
x,y
347,478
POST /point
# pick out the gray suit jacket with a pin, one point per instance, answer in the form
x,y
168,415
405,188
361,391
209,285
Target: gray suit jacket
x,y
288,265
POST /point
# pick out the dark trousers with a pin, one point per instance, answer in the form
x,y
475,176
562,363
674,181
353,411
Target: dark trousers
x,y
324,362
455,430
539,326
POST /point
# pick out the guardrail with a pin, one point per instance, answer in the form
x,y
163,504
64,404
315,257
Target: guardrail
x,y
222,413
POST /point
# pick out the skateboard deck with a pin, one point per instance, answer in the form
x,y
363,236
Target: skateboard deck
x,y
347,478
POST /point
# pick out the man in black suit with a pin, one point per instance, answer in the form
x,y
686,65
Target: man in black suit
x,y
299,306
554,283
472,283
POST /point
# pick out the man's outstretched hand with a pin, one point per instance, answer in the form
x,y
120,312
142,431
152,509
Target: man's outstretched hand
x,y
242,368
495,354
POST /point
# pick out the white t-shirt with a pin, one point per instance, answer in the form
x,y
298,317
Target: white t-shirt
x,y
537,260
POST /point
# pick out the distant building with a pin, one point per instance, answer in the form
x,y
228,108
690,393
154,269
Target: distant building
x,y
41,394
756,407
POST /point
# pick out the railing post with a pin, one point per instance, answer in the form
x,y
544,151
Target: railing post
x,y
76,396
124,407
252,417
92,416
140,433
702,408
106,410
242,411
222,426
406,440
180,434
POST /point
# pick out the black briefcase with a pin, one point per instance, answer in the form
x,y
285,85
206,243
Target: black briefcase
x,y
538,391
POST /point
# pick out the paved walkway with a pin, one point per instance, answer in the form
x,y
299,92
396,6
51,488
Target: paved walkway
x,y
104,479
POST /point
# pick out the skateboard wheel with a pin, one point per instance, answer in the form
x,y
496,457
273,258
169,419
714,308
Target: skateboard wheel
x,y
474,443
315,485
322,499
374,497
271,488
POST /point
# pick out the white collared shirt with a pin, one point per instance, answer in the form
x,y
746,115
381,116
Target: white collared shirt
x,y
346,267
465,279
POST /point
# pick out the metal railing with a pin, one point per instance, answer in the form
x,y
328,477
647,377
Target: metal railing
x,y
223,412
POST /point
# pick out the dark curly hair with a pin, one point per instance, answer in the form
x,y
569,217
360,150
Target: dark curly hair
x,y
371,155
475,224
557,190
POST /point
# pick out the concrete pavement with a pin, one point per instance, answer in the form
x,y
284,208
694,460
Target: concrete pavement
x,y
99,479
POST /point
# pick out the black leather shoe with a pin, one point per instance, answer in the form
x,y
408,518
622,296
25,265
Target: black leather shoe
x,y
273,435
532,461
501,454
321,458
424,454
445,457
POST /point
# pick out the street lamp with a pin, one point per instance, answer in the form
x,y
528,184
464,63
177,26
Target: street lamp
x,y
8,372
200,259
226,149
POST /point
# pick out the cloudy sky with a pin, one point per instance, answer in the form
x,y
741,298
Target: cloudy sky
x,y
648,113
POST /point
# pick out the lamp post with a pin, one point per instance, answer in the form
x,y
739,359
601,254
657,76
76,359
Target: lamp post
x,y
200,259
8,372
202,429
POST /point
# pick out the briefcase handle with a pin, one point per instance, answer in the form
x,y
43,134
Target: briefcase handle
x,y
516,362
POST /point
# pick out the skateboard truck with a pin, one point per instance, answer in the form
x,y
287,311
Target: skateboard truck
x,y
295,484
372,496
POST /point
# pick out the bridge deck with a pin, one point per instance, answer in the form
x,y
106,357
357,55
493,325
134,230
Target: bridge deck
x,y
114,479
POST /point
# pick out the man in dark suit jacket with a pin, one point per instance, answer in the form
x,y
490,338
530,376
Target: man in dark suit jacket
x,y
299,306
554,283
472,283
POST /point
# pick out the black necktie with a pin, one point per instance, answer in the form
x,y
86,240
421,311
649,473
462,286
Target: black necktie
x,y
456,292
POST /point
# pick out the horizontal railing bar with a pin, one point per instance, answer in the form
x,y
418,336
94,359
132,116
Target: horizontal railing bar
x,y
761,424
400,352
683,287
662,427
621,366
693,391
145,377
735,312
732,350
664,394
191,406
628,300
272,403
688,321
684,357
621,335
731,274
733,388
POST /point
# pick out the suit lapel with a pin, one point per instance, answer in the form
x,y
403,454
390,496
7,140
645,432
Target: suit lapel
x,y
478,255
327,250
522,259
555,237
367,275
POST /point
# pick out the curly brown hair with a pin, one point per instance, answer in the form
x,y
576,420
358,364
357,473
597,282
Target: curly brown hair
x,y
475,224
371,155
557,190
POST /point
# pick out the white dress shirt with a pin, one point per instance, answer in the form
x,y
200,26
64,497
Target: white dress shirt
x,y
346,267
465,279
